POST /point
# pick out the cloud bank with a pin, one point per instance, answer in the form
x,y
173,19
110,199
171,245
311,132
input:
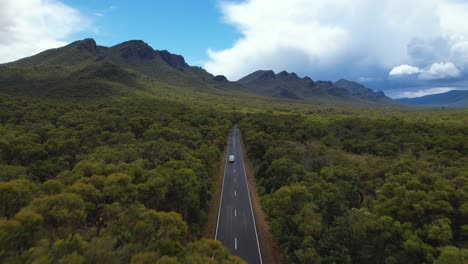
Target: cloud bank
x,y
30,26
357,39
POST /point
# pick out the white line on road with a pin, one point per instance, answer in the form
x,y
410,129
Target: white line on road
x,y
234,179
235,212
235,243
235,193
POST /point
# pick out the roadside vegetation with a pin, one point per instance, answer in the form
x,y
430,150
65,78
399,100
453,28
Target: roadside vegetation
x,y
107,182
356,187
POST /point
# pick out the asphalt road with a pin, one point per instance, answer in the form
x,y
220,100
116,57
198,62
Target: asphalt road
x,y
236,225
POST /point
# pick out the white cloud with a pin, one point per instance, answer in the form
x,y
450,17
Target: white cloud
x,y
423,92
404,69
340,36
440,71
30,26
436,71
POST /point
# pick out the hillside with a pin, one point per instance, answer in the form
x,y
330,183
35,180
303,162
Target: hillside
x,y
290,86
455,98
84,69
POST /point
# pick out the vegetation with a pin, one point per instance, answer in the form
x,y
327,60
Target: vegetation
x,y
107,182
354,189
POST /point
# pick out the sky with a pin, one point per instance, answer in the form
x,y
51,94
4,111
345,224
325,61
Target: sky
x,y
404,48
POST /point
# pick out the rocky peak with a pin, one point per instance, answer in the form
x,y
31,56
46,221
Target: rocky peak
x,y
174,60
283,74
136,48
88,44
380,94
265,75
309,81
287,76
220,78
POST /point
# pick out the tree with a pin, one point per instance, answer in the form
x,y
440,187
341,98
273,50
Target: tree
x,y
70,250
51,187
157,226
282,172
9,172
14,195
204,251
63,213
119,188
184,192
451,254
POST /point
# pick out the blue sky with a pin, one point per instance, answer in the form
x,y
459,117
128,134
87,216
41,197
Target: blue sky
x,y
186,27
405,48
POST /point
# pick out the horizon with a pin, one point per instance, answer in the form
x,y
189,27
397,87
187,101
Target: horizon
x,y
426,53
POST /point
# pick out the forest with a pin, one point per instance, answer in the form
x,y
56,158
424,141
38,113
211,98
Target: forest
x,y
130,180
107,181
353,188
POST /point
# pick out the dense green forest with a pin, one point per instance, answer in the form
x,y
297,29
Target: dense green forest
x,y
114,181
376,187
129,180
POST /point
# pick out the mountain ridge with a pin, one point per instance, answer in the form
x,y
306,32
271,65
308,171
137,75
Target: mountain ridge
x,y
291,86
134,66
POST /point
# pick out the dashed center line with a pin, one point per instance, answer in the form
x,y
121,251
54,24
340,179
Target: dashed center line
x,y
235,243
235,193
235,212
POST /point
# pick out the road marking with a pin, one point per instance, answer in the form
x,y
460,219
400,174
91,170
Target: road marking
x,y
235,243
221,199
235,193
235,212
250,201
234,179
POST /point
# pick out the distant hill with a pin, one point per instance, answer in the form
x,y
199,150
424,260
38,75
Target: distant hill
x,y
291,86
455,98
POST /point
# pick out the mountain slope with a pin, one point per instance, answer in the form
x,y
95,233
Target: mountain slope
x,y
291,86
84,69
455,98
363,92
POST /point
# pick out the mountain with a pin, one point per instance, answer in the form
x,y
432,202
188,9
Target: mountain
x,y
455,98
84,69
291,86
363,92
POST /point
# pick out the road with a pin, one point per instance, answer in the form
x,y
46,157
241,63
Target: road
x,y
236,223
